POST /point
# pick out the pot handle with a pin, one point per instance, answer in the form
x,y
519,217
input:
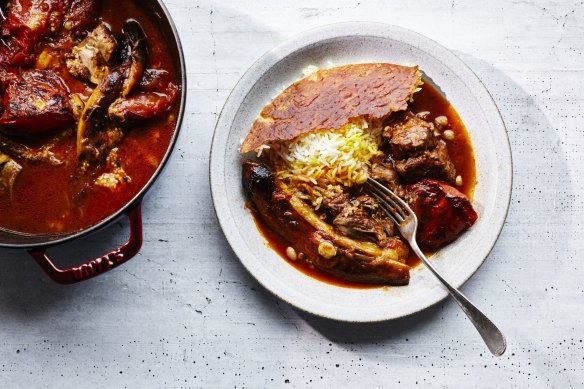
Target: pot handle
x,y
100,265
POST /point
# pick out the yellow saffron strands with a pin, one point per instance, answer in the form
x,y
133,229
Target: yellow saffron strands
x,y
337,157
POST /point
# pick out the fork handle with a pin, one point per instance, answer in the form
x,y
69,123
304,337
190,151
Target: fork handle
x,y
493,337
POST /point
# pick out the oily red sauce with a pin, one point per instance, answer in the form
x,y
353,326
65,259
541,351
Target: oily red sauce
x,y
461,153
460,149
45,199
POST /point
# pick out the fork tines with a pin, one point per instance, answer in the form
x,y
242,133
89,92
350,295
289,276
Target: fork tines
x,y
394,206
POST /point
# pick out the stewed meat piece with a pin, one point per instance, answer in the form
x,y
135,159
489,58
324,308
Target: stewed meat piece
x,y
444,213
385,173
362,219
89,60
35,102
416,152
81,14
358,216
409,136
434,163
336,202
28,21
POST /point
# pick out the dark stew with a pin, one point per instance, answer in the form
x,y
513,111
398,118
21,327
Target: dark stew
x,y
89,108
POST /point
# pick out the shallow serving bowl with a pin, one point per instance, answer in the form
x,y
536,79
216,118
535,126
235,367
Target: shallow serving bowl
x,y
341,44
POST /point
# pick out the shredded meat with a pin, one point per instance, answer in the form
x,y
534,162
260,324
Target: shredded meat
x,y
384,173
335,203
362,219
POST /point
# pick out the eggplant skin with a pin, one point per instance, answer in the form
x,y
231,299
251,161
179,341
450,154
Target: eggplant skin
x,y
258,181
272,204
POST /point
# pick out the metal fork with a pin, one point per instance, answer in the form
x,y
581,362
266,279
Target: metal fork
x,y
407,223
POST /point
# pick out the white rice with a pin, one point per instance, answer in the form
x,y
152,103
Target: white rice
x,y
327,157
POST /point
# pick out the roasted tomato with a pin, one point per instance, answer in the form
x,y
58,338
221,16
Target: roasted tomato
x,y
35,102
142,107
156,97
443,212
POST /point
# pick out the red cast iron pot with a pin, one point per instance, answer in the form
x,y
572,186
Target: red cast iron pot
x,y
37,245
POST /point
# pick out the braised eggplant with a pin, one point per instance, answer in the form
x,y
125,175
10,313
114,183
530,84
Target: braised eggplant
x,y
94,137
321,247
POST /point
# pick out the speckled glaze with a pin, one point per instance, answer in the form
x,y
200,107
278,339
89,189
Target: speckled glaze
x,y
340,44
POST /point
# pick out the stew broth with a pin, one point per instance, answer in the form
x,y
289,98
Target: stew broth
x,y
50,199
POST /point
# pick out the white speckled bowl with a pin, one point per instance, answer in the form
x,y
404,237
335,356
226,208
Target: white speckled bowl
x,y
356,43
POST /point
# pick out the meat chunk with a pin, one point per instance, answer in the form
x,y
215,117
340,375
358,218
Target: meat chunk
x,y
89,60
444,213
28,21
434,163
362,219
37,101
384,173
416,152
409,136
360,225
81,14
359,217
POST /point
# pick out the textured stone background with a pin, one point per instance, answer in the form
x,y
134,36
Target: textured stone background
x,y
186,314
